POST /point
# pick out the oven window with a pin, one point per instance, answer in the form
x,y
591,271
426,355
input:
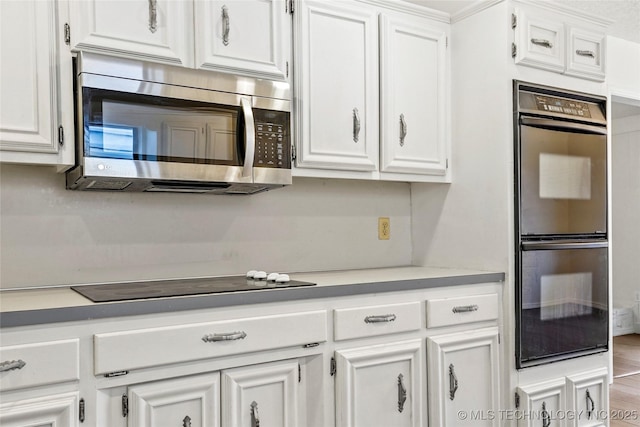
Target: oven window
x,y
564,302
120,125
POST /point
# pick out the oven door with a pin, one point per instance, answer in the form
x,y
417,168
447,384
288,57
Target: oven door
x,y
563,301
562,178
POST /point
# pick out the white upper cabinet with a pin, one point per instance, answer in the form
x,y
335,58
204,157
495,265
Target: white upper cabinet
x,y
371,91
155,30
36,106
251,36
337,85
413,96
553,39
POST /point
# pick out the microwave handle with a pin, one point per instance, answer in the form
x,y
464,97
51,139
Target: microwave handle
x,y
249,137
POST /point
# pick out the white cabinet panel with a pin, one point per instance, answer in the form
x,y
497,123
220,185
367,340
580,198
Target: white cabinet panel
x,y
337,85
36,85
359,322
464,377
585,53
461,310
545,402
157,30
540,41
31,365
246,36
51,411
380,385
265,394
413,97
187,401
588,398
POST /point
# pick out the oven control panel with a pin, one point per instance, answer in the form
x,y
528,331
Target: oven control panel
x,y
565,106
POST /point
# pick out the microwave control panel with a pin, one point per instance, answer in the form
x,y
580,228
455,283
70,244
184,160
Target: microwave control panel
x,y
272,140
565,106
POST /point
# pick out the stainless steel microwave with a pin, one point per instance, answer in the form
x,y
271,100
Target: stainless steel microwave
x,y
151,127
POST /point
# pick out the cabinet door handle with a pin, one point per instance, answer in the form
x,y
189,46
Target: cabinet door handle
x,y
403,130
465,308
186,422
12,364
380,319
402,393
546,419
542,42
229,336
255,418
225,25
356,125
588,53
153,15
591,406
453,382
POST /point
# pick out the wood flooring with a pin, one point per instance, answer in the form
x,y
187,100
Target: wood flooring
x,y
624,393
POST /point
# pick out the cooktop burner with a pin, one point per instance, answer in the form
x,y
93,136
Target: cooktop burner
x,y
109,292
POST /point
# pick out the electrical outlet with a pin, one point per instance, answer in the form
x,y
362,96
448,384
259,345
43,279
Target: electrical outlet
x,y
384,228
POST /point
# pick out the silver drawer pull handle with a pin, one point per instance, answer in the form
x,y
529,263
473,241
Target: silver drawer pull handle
x,y
255,418
186,422
356,125
225,26
231,336
153,16
402,393
546,419
591,406
542,42
465,308
380,319
588,53
403,129
12,364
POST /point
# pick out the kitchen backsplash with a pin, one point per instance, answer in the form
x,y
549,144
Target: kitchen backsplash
x,y
52,236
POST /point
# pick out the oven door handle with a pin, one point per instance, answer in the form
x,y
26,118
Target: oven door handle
x,y
552,245
249,137
562,125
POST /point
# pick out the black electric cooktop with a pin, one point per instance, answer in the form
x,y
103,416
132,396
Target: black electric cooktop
x,y
109,292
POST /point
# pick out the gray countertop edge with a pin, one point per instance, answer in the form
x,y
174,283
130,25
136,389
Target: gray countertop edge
x,y
166,305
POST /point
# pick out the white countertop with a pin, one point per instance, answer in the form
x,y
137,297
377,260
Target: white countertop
x,y
54,304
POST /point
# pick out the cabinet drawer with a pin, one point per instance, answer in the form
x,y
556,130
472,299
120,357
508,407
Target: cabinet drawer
x,y
540,42
126,350
370,321
460,310
31,365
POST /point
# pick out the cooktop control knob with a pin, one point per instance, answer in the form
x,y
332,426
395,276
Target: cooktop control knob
x,y
272,277
260,275
282,278
251,274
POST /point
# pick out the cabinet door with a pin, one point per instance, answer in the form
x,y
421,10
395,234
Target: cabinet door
x,y
380,385
585,54
36,85
250,37
464,378
51,411
188,401
414,96
154,30
540,41
337,85
588,398
544,402
261,395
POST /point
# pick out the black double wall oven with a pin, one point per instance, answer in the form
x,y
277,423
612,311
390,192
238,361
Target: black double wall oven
x,y
561,249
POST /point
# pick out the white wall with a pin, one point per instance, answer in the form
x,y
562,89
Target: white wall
x,y
625,198
52,236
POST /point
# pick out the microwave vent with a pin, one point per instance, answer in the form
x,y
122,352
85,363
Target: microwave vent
x,y
108,185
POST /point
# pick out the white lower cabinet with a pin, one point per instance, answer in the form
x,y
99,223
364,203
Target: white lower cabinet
x,y
578,400
464,378
58,410
380,385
